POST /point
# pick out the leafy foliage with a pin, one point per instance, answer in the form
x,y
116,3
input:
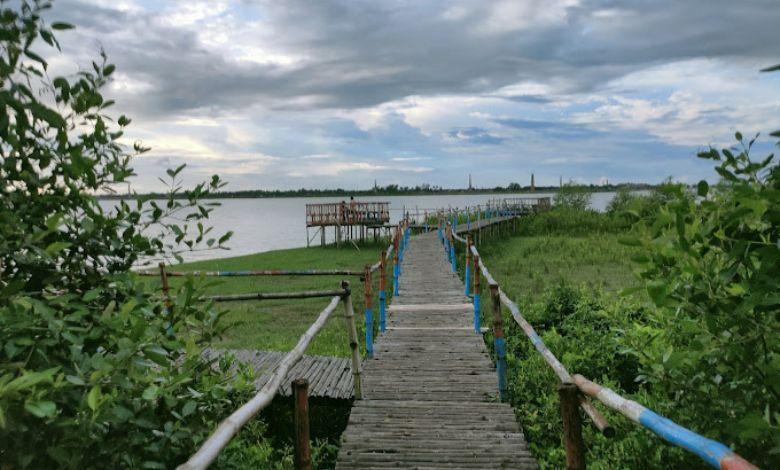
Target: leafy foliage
x,y
95,370
573,196
712,269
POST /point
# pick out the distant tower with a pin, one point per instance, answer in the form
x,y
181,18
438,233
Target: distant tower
x,y
533,184
560,181
375,186
470,186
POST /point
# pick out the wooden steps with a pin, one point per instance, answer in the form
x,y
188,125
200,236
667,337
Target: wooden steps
x,y
430,391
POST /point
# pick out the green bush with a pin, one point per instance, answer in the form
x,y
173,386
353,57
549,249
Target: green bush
x,y
571,196
569,221
584,329
95,370
712,268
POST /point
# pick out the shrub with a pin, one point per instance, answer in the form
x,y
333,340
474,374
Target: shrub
x,y
95,370
711,267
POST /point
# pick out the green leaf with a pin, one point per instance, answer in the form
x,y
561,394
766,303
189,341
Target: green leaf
x,y
150,393
189,408
58,25
56,247
773,68
657,290
93,398
41,409
703,188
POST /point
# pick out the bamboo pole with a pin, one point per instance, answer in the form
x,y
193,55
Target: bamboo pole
x,y
210,449
275,295
300,389
349,315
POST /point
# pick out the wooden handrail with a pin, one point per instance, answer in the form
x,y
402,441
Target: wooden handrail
x,y
228,428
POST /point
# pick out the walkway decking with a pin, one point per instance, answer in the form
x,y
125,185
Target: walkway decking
x,y
430,392
329,377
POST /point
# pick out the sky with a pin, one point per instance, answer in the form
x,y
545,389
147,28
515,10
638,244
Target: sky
x,y
341,93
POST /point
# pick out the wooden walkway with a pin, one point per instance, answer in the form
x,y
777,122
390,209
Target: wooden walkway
x,y
329,377
430,392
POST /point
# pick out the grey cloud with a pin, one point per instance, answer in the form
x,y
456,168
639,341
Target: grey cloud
x,y
365,53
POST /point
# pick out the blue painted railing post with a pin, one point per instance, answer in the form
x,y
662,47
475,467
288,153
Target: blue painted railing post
x,y
453,258
477,326
369,312
499,342
382,288
467,267
396,264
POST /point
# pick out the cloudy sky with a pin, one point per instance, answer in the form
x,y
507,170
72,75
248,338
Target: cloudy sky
x,y
295,93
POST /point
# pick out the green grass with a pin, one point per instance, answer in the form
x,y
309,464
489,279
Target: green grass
x,y
526,266
278,324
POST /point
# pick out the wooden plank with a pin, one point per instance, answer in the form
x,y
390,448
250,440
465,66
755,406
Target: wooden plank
x,y
430,392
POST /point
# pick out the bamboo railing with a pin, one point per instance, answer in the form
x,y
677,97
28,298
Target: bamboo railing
x,y
228,428
574,390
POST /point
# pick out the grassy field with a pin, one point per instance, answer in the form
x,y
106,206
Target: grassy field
x,y
526,266
278,324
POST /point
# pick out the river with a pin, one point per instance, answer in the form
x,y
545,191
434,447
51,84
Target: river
x,y
276,223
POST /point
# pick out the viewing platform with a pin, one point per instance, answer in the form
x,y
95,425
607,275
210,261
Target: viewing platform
x,y
349,219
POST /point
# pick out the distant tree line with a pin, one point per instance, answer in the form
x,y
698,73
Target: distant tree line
x,y
396,190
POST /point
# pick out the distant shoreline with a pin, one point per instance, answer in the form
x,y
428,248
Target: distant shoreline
x,y
315,193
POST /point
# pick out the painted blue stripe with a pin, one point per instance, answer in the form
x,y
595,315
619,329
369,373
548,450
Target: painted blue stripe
x,y
369,333
453,258
710,451
395,279
500,346
477,326
382,310
467,278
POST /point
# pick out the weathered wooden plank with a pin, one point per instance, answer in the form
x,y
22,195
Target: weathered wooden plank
x,y
430,392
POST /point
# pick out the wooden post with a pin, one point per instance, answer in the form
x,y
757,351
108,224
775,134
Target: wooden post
x,y
477,326
396,266
467,267
302,444
572,426
165,288
479,225
499,342
349,314
369,313
382,295
453,259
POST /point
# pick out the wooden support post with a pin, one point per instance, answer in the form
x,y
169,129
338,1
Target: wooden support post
x,y
302,443
467,266
349,315
396,266
165,288
499,342
572,426
369,313
453,259
382,288
477,326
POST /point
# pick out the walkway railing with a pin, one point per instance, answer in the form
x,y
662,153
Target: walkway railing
x,y
210,449
712,452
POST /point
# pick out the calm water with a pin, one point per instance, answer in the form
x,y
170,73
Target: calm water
x,y
272,224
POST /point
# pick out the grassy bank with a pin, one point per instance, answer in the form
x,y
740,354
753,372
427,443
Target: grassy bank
x,y
278,324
